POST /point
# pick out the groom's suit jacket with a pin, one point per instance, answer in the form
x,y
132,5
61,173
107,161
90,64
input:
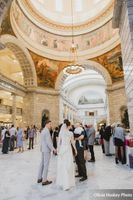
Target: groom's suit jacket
x,y
46,141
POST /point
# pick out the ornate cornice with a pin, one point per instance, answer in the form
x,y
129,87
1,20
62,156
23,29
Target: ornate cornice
x,y
116,86
39,90
12,86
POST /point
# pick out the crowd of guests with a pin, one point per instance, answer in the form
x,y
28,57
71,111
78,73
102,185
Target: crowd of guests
x,y
87,142
117,133
110,135
14,137
77,139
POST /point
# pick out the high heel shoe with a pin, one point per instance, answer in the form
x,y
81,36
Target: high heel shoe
x,y
116,160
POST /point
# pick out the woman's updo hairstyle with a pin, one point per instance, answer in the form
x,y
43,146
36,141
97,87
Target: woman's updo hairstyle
x,y
68,123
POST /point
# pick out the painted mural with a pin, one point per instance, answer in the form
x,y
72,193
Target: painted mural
x,y
58,42
85,101
112,61
47,70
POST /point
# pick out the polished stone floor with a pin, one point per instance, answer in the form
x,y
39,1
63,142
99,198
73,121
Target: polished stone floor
x,y
18,175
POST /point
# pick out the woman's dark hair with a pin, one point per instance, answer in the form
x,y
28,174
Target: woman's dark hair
x,y
65,121
56,128
68,123
47,122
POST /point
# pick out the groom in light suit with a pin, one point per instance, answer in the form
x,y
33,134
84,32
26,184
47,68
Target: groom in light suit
x,y
46,148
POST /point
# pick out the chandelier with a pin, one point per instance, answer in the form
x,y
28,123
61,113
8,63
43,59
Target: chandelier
x,y
74,67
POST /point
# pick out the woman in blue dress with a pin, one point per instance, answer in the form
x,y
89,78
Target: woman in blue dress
x,y
20,139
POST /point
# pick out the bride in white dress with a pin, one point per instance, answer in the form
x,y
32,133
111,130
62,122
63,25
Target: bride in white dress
x,y
65,165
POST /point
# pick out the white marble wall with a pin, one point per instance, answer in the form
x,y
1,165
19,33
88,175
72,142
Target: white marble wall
x,y
126,34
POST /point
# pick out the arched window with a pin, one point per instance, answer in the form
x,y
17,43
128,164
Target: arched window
x,y
59,5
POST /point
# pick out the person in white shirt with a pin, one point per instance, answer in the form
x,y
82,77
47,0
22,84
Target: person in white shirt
x,y
12,132
119,135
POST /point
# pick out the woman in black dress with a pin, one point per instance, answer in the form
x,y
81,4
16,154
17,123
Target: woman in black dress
x,y
55,135
6,142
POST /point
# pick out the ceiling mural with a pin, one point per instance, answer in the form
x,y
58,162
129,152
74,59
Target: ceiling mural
x,y
47,70
84,101
112,61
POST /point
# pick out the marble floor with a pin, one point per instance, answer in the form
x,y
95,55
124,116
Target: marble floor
x,y
18,175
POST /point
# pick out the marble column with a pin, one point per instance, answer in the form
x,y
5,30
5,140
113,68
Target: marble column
x,y
14,109
123,19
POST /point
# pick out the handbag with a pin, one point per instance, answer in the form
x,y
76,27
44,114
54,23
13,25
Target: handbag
x,y
101,141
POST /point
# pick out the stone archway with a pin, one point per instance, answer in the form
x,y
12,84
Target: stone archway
x,y
87,65
24,58
92,65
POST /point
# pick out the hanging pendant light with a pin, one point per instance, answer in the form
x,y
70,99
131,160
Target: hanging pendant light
x,y
74,67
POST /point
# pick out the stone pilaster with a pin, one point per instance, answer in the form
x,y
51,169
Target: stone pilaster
x,y
116,99
34,105
14,109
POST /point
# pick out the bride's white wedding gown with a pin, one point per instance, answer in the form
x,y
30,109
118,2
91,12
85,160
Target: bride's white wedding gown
x,y
65,165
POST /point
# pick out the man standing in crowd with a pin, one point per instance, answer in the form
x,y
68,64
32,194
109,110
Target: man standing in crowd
x,y
91,138
101,132
46,148
106,136
31,135
119,137
12,132
80,161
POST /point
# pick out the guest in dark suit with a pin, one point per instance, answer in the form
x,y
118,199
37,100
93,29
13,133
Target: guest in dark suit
x,y
6,140
80,161
101,132
55,136
107,134
91,138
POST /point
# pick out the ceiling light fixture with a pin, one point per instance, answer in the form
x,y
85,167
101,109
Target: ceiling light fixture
x,y
74,67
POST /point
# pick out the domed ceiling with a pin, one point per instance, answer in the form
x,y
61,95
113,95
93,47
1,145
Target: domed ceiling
x,y
60,11
48,35
46,28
